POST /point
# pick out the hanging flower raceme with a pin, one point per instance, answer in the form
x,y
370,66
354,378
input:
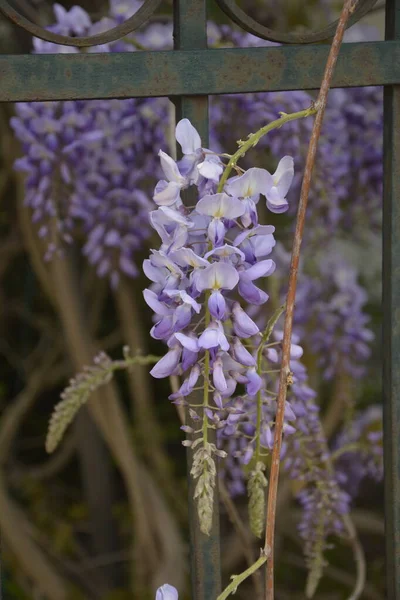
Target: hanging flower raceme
x,y
203,275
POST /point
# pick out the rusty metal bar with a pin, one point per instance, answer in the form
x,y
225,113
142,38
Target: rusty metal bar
x,y
190,33
391,316
192,72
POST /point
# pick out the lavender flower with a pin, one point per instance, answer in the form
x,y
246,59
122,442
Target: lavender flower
x,y
167,592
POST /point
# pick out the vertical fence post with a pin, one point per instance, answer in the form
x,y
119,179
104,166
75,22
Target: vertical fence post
x,y
391,316
190,33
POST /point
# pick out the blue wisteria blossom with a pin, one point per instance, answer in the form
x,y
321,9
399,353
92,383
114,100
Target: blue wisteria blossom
x,y
211,256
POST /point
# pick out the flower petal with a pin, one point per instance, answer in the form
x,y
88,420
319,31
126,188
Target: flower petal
x,y
187,136
244,326
167,364
217,305
152,300
261,269
283,176
217,276
167,592
170,168
220,206
188,342
252,183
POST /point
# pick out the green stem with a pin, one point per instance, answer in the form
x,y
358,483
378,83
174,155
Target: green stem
x,y
238,579
206,376
254,138
264,340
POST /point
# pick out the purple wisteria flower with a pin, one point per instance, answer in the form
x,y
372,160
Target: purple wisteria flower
x,y
202,277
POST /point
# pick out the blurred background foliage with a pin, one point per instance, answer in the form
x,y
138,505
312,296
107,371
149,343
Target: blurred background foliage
x,y
72,522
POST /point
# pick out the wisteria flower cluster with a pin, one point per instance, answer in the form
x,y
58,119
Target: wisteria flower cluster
x,y
210,257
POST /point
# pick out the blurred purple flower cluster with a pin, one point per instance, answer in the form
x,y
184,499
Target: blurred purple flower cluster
x,y
337,331
89,163
360,450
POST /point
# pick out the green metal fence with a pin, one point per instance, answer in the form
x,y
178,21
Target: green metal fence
x,y
187,75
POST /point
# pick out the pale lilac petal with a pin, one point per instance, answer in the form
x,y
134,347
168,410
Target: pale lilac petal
x,y
188,384
160,259
188,342
264,268
231,387
187,136
225,251
152,300
209,338
167,592
223,342
220,206
218,400
187,257
213,337
254,382
185,298
217,305
217,276
263,245
152,272
248,455
174,216
296,351
267,438
244,326
211,168
166,194
167,364
218,376
288,429
275,202
260,230
250,216
188,359
283,176
163,329
216,232
252,183
182,316
170,168
241,354
272,355
250,292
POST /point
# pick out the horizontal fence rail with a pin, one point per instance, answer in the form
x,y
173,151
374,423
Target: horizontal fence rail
x,y
192,72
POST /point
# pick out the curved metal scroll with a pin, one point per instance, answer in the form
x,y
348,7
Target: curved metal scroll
x,y
249,24
140,17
